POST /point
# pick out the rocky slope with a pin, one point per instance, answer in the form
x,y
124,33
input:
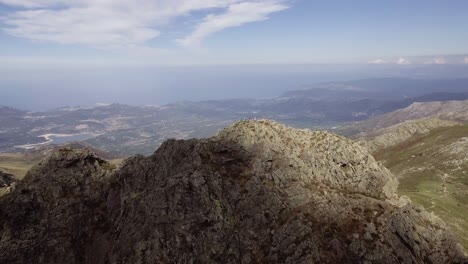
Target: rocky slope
x,y
395,134
449,110
433,171
258,192
428,156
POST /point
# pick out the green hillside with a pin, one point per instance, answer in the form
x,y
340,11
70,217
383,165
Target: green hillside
x,y
433,171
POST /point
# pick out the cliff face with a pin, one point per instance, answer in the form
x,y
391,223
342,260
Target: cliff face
x,y
259,192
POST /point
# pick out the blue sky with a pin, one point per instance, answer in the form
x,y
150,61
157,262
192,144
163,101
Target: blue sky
x,y
172,32
80,52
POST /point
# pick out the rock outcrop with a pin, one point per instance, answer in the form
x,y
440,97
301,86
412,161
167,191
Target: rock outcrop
x,y
6,179
7,183
258,192
55,210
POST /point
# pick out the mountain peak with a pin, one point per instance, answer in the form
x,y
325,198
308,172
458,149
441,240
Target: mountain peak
x,y
321,157
258,192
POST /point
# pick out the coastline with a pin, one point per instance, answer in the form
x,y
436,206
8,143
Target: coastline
x,y
49,139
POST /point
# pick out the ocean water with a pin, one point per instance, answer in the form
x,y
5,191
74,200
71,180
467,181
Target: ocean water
x,y
70,138
47,88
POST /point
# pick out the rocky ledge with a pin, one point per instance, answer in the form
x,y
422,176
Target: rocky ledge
x,y
258,192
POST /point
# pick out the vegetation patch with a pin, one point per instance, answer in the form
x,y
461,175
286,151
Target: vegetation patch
x,y
433,175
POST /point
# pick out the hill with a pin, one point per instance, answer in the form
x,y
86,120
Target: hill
x,y
258,192
444,110
128,130
396,134
427,155
433,171
386,92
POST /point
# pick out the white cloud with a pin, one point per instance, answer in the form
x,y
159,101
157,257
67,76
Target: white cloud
x,y
400,61
437,60
236,15
103,23
378,61
29,3
403,61
465,60
440,61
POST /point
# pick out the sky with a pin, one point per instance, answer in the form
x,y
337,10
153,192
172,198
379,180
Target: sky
x,y
188,32
75,52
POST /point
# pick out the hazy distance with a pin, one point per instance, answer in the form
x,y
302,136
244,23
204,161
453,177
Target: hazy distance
x,y
56,53
52,86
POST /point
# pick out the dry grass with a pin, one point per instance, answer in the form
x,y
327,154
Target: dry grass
x,y
17,164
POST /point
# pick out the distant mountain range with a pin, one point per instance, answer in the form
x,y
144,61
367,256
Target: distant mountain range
x,y
141,129
380,88
445,110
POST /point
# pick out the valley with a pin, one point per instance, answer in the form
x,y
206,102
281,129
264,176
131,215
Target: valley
x,y
130,130
424,144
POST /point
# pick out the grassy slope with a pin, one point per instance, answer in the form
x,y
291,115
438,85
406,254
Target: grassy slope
x,y
428,180
17,164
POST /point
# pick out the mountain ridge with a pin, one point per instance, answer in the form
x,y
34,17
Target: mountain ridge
x,y
257,192
424,146
454,110
398,133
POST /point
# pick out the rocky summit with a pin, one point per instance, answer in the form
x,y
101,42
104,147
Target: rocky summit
x,y
258,192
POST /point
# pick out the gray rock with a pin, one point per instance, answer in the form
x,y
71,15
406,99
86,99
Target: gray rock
x,y
7,183
6,179
259,192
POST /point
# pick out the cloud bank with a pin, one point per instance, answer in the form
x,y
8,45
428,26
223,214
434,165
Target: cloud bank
x,y
104,23
438,61
399,61
426,60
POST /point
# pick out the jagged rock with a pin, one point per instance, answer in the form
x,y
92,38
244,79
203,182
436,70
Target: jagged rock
x,y
55,210
259,192
7,183
6,180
